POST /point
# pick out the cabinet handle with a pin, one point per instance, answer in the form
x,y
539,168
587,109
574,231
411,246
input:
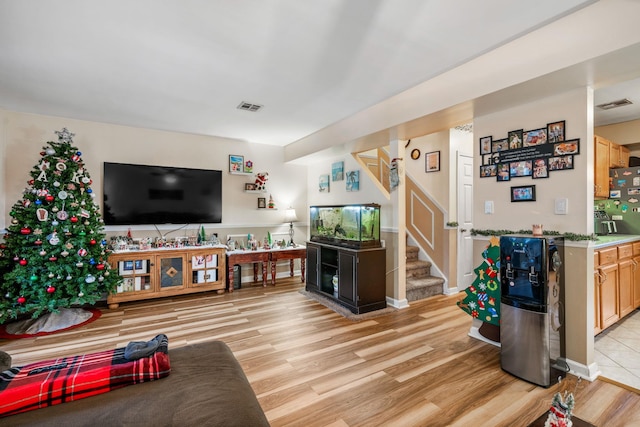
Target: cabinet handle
x,y
635,265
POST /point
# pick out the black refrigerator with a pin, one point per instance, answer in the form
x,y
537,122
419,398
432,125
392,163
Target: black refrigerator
x,y
532,331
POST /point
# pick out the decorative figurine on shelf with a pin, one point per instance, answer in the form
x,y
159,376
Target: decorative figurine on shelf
x,y
394,179
248,166
271,204
261,180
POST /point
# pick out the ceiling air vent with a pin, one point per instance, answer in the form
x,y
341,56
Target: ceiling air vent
x,y
247,106
614,104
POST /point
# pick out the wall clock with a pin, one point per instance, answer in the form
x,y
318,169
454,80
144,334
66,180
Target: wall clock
x,y
415,154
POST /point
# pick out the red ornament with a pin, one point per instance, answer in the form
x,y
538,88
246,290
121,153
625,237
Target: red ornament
x,y
25,230
53,258
30,182
22,300
100,266
92,241
42,153
38,242
51,289
49,198
74,219
23,262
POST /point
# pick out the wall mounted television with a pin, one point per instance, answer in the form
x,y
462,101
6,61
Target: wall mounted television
x,y
143,194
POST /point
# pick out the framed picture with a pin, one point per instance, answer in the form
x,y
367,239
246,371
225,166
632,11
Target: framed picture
x,y
323,184
560,163
126,267
337,171
353,180
432,161
540,169
555,131
249,186
523,193
567,147
140,266
236,163
531,138
262,202
500,145
521,168
485,145
503,173
487,171
515,139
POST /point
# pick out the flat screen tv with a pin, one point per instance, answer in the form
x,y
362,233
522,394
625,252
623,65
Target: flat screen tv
x,y
142,194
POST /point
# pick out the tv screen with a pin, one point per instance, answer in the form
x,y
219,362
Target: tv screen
x,y
141,194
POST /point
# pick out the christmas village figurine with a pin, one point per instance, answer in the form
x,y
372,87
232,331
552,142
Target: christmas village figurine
x,y
55,252
271,204
561,409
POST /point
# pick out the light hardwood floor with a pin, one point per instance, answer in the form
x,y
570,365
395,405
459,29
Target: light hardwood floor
x,y
310,366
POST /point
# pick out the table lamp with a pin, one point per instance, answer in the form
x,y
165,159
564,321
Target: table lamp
x,y
290,216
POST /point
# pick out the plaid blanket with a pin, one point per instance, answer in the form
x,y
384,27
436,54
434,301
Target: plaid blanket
x,y
66,379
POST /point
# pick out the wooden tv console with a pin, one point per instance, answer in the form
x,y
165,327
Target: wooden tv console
x,y
166,272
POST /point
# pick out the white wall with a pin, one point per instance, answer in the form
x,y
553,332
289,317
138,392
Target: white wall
x,y
24,135
576,185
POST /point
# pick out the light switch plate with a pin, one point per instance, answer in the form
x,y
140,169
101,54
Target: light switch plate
x,y
488,206
561,206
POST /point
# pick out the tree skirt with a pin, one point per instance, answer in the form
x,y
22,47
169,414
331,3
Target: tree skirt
x,y
50,323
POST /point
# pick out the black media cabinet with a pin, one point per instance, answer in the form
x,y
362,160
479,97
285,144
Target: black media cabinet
x,y
361,275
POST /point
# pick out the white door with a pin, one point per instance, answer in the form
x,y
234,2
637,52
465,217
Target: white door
x,y
466,275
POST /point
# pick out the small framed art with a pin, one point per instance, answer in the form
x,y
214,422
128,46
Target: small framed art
x,y
485,145
555,131
249,186
523,193
262,202
515,139
236,163
540,169
337,171
432,161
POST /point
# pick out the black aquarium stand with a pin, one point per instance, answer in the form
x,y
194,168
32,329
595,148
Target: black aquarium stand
x,y
361,284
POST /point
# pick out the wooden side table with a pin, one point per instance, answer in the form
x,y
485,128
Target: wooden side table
x,y
248,257
290,254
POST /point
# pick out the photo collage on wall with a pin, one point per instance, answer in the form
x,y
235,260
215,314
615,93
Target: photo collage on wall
x,y
534,153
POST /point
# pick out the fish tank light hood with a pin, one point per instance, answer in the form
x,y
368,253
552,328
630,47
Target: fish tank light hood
x,y
352,226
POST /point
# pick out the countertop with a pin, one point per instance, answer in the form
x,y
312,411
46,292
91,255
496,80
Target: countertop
x,y
615,239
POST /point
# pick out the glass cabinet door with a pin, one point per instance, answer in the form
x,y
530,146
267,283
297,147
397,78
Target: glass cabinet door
x,y
204,268
136,275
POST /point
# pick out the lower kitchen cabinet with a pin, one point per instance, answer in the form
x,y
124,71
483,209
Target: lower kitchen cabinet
x,y
355,278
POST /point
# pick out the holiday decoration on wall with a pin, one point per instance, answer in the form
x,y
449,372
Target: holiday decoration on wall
x,y
55,252
482,300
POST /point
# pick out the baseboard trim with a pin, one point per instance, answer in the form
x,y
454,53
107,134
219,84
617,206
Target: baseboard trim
x,y
397,303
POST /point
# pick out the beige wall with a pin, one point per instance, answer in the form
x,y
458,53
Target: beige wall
x,y
22,137
621,133
576,185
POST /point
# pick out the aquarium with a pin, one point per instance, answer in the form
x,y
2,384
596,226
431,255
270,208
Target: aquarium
x,y
352,226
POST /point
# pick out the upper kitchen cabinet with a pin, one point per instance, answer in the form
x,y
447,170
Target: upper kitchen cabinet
x,y
608,154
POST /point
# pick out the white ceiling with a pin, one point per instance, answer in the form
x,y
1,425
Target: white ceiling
x,y
185,65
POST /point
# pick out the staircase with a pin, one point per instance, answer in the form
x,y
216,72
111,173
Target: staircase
x,y
420,283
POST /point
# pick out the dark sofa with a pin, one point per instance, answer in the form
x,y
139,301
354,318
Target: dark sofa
x,y
206,387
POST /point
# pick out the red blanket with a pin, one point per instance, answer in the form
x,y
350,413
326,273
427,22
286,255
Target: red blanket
x,y
71,378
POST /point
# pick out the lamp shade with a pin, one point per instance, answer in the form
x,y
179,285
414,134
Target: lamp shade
x,y
290,215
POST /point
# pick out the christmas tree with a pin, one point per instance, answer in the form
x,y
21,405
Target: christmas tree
x,y
55,251
482,300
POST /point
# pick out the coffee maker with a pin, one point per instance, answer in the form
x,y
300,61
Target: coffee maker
x,y
603,224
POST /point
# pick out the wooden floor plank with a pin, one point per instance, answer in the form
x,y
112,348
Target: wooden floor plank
x,y
311,367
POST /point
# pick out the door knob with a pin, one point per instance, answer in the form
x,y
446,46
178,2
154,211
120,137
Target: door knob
x,y
462,230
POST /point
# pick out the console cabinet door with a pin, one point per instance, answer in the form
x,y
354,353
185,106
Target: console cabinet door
x,y
347,277
313,257
609,308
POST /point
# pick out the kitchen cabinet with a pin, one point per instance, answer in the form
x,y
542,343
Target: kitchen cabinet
x,y
625,279
601,168
608,154
608,310
360,274
167,272
596,294
636,275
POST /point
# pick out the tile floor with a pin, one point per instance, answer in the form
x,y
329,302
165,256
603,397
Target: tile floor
x,y
617,351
